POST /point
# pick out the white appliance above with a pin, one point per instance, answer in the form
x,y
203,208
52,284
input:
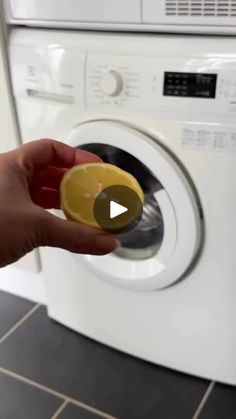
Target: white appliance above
x,y
180,16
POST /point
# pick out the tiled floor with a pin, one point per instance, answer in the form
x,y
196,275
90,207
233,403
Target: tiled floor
x,y
12,309
50,372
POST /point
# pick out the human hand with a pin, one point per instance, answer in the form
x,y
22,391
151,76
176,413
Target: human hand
x,y
30,177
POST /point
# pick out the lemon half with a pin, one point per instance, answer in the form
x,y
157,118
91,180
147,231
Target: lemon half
x,y
83,183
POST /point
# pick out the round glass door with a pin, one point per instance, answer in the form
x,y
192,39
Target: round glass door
x,y
146,238
166,241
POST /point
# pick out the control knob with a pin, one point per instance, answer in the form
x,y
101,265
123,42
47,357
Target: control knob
x,y
111,83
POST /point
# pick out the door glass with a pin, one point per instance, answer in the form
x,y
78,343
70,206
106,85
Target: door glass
x,y
145,239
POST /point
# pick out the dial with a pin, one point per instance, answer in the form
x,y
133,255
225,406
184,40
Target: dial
x,y
112,83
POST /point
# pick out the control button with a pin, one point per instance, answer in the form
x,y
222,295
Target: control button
x,y
111,83
117,209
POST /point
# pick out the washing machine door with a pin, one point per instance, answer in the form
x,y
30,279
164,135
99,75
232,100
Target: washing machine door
x,y
165,243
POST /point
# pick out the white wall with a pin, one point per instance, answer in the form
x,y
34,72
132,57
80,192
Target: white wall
x,y
9,137
23,278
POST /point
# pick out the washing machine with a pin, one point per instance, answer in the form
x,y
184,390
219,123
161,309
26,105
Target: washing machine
x,y
164,109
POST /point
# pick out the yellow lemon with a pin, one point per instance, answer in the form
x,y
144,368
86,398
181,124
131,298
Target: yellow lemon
x,y
84,182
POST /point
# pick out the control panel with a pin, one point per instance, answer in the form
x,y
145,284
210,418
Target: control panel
x,y
108,82
163,84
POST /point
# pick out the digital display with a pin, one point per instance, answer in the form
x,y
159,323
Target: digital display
x,y
198,85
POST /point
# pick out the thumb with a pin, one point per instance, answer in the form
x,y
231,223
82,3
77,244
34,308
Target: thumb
x,y
76,237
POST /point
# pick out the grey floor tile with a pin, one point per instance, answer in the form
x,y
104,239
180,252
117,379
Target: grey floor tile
x,y
12,309
72,411
22,401
221,403
106,379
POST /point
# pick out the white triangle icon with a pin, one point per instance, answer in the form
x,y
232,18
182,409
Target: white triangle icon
x,y
116,209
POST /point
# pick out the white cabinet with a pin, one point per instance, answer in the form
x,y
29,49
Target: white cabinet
x,y
77,10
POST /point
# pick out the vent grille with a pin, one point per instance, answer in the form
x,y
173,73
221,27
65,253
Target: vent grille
x,y
217,8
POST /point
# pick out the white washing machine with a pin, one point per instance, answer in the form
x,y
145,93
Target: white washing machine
x,y
163,108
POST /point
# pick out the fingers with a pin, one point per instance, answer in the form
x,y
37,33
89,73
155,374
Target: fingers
x,y
45,197
36,155
50,177
76,238
44,189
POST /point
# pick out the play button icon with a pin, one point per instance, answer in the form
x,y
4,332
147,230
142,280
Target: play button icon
x,y
117,209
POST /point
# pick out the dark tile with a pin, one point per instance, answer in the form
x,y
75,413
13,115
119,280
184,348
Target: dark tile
x,y
22,401
12,308
72,411
97,375
221,403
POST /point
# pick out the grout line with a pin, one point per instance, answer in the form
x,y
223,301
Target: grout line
x,y
204,400
19,323
60,409
56,393
32,383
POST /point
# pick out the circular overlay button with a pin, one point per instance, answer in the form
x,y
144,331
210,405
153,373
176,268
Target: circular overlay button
x,y
117,209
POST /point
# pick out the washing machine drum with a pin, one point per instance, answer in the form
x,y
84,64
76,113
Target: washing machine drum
x,y
166,241
145,239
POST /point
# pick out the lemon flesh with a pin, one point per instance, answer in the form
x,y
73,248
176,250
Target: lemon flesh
x,y
83,183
